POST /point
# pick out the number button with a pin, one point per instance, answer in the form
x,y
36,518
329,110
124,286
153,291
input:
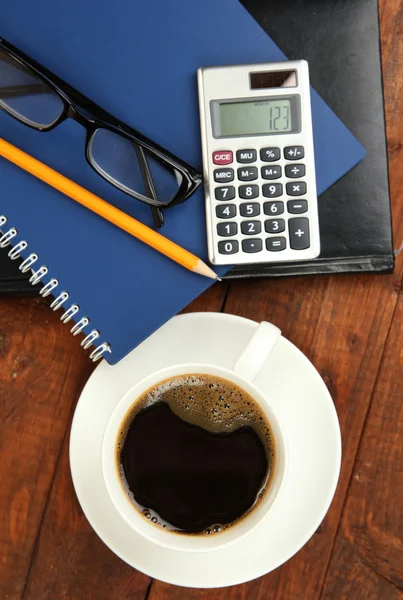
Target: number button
x,y
227,229
246,156
269,154
225,211
296,189
225,193
295,171
274,226
296,207
248,191
251,227
247,174
252,245
273,208
221,175
249,210
294,152
272,190
231,247
271,172
299,233
275,244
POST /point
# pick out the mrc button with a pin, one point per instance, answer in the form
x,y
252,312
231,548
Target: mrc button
x,y
223,175
222,157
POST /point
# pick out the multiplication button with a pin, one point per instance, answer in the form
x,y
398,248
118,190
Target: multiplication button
x,y
297,188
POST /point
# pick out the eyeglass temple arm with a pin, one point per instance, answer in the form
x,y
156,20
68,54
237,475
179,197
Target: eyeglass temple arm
x,y
149,184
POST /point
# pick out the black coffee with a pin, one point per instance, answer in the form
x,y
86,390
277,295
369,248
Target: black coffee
x,y
195,454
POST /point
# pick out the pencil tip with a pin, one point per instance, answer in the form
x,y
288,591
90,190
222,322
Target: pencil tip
x,y
218,278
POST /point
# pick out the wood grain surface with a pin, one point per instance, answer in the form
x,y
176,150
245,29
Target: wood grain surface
x,y
351,327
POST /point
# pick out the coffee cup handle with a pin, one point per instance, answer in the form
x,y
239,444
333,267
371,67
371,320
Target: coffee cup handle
x,y
257,351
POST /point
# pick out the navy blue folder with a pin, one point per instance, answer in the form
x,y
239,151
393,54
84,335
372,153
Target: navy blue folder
x,y
137,60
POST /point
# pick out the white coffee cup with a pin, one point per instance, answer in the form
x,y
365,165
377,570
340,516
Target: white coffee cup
x,y
243,373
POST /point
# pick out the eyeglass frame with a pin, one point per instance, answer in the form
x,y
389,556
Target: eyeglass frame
x,y
73,100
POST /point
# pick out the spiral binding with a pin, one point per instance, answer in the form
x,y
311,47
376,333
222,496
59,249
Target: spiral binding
x,y
50,287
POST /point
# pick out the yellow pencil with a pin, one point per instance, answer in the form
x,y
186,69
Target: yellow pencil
x,y
105,210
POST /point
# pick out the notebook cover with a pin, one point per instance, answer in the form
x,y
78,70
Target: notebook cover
x,y
139,62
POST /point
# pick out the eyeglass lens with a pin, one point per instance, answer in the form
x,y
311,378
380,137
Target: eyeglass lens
x,y
25,95
117,159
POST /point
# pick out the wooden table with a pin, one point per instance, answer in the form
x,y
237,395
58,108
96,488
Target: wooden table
x,y
351,327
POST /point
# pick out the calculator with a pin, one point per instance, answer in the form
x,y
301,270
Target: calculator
x,y
258,163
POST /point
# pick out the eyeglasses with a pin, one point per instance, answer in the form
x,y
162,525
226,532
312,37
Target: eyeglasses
x,y
123,156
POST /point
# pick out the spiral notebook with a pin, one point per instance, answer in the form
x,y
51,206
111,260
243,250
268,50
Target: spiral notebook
x,y
138,60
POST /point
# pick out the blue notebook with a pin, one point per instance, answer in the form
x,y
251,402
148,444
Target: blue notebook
x,y
138,60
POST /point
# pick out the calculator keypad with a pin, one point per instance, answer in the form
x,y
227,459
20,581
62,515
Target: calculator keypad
x,y
260,222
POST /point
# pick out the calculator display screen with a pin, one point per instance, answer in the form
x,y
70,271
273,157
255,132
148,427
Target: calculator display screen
x,y
268,116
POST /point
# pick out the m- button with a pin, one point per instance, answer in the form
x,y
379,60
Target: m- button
x,y
222,157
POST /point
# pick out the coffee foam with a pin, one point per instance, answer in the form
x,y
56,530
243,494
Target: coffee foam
x,y
213,403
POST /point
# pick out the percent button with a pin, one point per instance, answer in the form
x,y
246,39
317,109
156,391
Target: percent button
x,y
270,154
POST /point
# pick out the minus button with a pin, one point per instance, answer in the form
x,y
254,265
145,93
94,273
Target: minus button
x,y
297,207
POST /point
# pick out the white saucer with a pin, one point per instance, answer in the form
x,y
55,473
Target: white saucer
x,y
306,411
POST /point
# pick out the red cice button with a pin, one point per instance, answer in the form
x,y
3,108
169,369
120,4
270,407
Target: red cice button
x,y
222,157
